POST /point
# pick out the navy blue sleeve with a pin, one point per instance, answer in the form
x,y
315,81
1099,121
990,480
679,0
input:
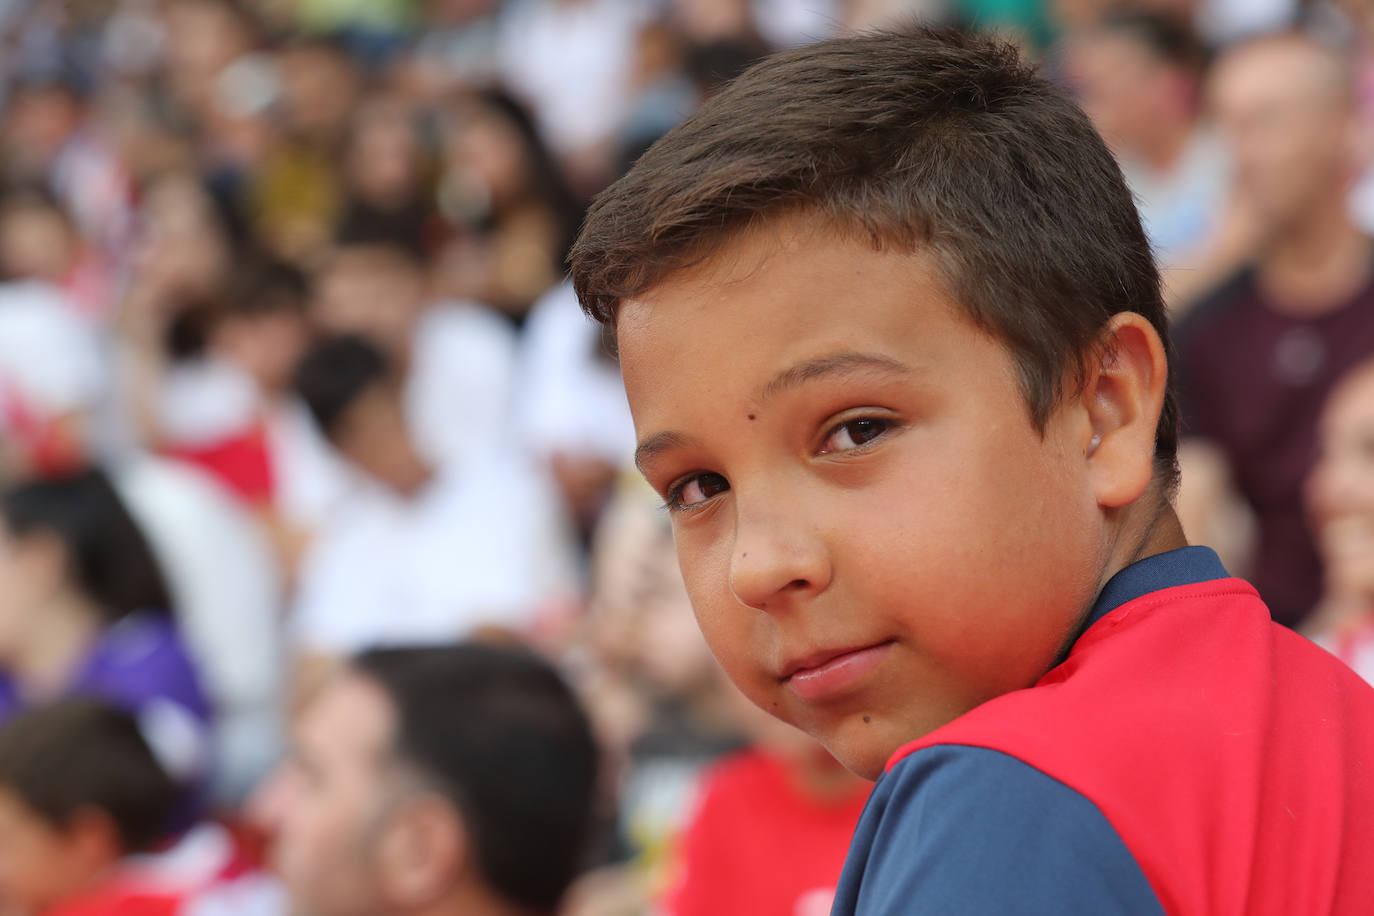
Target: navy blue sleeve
x,y
966,830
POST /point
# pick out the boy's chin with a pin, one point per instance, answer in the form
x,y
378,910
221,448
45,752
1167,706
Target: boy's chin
x,y
865,747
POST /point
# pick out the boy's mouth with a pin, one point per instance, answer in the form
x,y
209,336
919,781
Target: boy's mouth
x,y
829,672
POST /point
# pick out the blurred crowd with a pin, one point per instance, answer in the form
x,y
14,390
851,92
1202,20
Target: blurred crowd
x,y
315,486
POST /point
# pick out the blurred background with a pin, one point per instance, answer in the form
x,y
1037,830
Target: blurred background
x,y
289,367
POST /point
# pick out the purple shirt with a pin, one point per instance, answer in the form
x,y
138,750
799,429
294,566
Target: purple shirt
x,y
1253,380
141,665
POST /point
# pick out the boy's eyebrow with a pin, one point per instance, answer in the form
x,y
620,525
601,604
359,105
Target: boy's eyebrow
x,y
843,363
658,442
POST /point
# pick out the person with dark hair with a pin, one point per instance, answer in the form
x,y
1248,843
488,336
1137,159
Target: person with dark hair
x,y
453,780
505,198
456,358
419,551
894,345
87,823
84,609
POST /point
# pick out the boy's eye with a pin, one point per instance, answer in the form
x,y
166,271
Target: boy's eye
x,y
693,491
852,434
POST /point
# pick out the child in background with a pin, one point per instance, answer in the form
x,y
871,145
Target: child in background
x,y
784,786
84,610
420,551
1340,501
86,814
894,345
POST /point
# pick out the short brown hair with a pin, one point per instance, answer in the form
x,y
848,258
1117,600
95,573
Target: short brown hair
x,y
83,753
931,139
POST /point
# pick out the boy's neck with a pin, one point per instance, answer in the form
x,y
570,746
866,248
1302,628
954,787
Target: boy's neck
x,y
1160,532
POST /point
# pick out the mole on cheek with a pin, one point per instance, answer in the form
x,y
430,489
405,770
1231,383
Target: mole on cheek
x,y
865,718
752,417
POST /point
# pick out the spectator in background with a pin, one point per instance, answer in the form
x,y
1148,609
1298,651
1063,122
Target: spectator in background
x,y
296,196
386,192
177,396
1340,503
40,243
1139,77
456,780
419,552
84,609
86,825
785,785
1259,355
511,213
455,358
48,139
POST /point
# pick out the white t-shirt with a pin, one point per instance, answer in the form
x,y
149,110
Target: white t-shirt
x,y
543,44
457,400
228,591
50,361
570,400
484,543
458,393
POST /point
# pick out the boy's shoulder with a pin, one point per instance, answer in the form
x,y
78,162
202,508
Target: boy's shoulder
x,y
1179,754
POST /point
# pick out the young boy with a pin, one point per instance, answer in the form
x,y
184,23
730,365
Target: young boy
x,y
893,342
417,552
85,809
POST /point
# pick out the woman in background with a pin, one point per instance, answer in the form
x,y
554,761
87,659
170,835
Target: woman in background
x,y
84,610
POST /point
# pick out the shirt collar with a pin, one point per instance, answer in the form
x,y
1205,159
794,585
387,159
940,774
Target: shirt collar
x,y
1184,566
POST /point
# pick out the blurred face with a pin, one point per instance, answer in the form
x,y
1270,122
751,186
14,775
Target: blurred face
x,y
383,160
319,90
30,572
326,802
268,347
874,535
374,436
486,153
39,864
1340,490
1290,123
370,292
36,242
1128,93
181,250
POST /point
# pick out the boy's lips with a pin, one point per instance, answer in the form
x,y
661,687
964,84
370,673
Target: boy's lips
x,y
820,675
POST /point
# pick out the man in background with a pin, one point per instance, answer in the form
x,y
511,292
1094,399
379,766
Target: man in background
x,y
1258,356
426,782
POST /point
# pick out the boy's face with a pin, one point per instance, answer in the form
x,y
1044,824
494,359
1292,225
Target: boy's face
x,y
875,536
39,863
373,435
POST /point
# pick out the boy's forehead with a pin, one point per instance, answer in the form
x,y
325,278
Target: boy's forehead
x,y
797,263
781,302
723,265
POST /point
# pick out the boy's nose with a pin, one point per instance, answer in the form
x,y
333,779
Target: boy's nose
x,y
776,560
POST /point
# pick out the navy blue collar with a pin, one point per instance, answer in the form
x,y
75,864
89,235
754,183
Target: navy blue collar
x,y
1184,566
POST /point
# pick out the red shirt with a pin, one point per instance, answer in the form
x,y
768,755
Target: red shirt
x,y
207,870
759,847
1234,758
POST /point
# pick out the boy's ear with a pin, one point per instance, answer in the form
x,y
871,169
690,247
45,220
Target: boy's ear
x,y
92,838
1123,395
